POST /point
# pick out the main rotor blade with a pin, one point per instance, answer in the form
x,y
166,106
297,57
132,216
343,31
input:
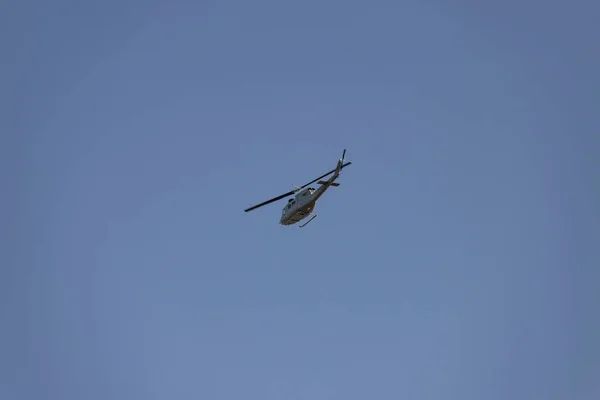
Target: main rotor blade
x,y
293,191
324,175
270,201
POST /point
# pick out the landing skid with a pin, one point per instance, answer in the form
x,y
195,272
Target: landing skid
x,y
306,223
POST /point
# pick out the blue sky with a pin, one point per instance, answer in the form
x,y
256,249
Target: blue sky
x,y
457,260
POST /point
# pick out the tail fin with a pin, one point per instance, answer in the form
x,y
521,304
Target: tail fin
x,y
340,163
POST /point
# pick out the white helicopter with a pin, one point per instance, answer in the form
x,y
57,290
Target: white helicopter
x,y
304,201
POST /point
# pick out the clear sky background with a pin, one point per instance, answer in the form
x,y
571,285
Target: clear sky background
x,y
459,258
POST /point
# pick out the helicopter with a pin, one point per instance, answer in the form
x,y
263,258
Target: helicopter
x,y
304,200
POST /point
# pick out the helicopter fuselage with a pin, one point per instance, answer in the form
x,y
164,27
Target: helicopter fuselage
x,y
298,207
